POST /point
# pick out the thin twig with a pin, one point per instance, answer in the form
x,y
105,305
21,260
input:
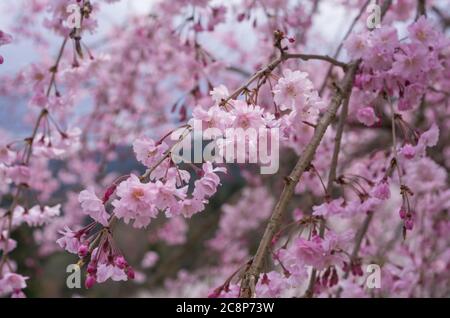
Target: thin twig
x,y
331,177
307,57
421,9
394,142
384,7
29,151
272,65
341,45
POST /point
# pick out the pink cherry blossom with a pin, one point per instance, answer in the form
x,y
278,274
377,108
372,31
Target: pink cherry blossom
x,y
192,206
381,191
100,121
150,259
12,283
334,207
423,32
19,174
408,151
7,245
147,151
219,93
136,202
173,232
207,185
357,45
366,115
110,271
214,117
37,216
428,139
70,240
247,116
411,61
93,206
295,91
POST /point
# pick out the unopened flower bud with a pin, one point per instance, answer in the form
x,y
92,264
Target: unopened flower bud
x,y
409,224
83,250
120,262
90,281
91,269
402,213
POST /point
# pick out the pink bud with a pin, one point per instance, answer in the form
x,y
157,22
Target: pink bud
x,y
108,193
120,262
241,17
265,279
90,281
198,27
92,269
409,224
408,151
130,273
402,213
381,191
1,59
83,250
334,278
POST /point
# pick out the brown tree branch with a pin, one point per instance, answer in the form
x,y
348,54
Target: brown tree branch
x,y
421,9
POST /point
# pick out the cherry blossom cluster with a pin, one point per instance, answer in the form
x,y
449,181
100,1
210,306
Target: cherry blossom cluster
x,y
363,129
404,68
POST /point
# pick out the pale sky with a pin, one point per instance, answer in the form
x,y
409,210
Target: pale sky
x,y
21,53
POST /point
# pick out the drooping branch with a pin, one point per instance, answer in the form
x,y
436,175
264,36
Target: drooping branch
x,y
251,275
28,153
337,145
331,177
272,65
